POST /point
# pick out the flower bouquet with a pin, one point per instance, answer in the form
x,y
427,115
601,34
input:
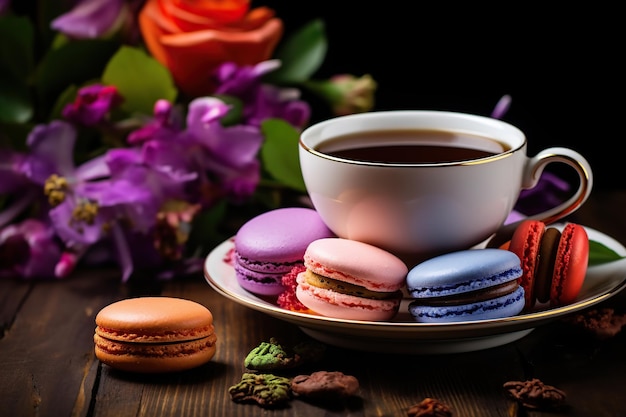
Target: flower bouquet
x,y
142,132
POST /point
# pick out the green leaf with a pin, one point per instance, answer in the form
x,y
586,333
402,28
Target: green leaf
x,y
15,100
16,46
73,63
16,66
279,153
599,253
140,79
301,55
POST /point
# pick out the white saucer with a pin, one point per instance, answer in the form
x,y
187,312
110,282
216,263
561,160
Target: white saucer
x,y
403,335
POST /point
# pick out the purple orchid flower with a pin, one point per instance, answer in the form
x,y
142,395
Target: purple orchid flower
x,y
241,81
27,173
549,192
147,177
51,153
502,106
103,210
92,104
261,101
88,205
154,174
282,103
166,123
91,19
166,150
229,153
65,185
12,178
98,199
212,160
29,250
15,183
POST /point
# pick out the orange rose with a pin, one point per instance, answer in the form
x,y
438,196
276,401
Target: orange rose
x,y
192,38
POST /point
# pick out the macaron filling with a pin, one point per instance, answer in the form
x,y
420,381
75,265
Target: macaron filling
x,y
546,263
334,304
470,286
343,287
266,266
154,349
154,336
483,294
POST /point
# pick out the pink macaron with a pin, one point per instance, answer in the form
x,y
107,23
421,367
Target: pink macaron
x,y
351,280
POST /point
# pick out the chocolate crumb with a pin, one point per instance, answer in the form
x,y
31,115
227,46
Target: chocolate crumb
x,y
325,385
602,324
429,407
535,395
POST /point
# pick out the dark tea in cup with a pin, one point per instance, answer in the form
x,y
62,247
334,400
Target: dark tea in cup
x,y
412,146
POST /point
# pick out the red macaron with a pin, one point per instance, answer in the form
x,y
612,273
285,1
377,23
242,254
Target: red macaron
x,y
554,262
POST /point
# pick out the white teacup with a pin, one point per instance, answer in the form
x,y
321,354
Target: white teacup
x,y
417,201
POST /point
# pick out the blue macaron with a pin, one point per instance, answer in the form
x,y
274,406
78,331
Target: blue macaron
x,y
475,284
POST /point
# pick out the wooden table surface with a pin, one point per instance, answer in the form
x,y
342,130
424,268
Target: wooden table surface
x,y
48,368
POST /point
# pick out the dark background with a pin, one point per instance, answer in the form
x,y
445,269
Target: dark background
x,y
562,67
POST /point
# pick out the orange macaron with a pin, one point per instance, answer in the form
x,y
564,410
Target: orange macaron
x,y
154,335
554,262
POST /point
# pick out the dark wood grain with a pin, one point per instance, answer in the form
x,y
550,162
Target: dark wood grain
x,y
47,351
47,365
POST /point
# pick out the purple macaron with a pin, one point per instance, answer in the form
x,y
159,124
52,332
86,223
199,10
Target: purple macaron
x,y
271,244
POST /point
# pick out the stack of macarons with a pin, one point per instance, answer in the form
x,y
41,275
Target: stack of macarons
x,y
467,285
351,280
554,262
269,245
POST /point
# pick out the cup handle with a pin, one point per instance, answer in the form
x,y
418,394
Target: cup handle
x,y
534,169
